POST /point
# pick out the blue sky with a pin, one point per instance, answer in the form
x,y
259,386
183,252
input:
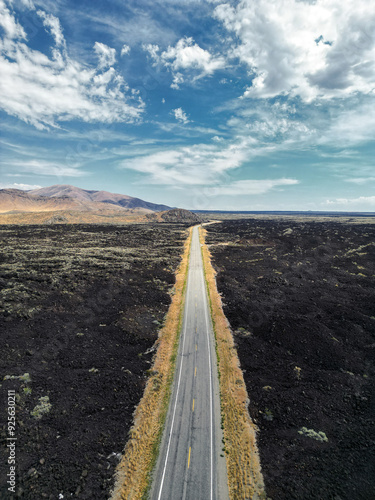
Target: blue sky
x,y
201,104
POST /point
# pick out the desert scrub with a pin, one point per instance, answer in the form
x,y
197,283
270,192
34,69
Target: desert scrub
x,y
268,415
133,475
23,378
42,408
318,436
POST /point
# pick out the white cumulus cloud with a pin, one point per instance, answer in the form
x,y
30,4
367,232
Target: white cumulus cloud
x,y
125,50
186,61
43,91
153,50
106,55
322,48
187,54
180,115
9,24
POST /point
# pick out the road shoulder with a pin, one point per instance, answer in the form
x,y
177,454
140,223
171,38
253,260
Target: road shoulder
x,y
245,478
133,474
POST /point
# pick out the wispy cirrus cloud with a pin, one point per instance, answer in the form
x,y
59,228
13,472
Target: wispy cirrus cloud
x,y
351,125
191,165
207,172
198,165
23,187
360,180
131,27
46,168
360,203
250,187
52,23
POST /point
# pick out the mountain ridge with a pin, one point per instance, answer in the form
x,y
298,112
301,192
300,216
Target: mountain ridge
x,y
68,197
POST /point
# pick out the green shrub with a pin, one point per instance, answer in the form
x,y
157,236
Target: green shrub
x,y
318,436
42,408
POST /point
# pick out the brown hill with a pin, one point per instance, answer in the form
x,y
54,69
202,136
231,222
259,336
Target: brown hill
x,y
16,200
175,215
65,197
120,200
59,190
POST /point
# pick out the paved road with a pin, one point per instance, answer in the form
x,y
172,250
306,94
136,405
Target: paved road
x,y
189,466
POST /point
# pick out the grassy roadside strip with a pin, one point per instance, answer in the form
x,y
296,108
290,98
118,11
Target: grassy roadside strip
x,y
133,474
245,478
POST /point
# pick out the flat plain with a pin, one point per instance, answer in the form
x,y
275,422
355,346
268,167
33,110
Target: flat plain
x,y
300,299
80,311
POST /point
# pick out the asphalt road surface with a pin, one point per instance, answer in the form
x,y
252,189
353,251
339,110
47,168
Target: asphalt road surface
x,y
191,465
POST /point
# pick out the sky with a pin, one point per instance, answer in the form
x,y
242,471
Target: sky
x,y
200,104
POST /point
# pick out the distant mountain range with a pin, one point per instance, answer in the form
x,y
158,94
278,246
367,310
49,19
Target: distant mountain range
x,y
65,197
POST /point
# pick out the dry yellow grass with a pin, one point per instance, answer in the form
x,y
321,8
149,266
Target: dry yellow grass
x,y
245,478
134,471
74,217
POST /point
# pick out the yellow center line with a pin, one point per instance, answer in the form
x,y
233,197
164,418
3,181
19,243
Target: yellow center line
x,y
193,403
195,373
189,457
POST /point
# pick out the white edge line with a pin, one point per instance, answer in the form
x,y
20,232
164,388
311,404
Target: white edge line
x,y
209,364
178,389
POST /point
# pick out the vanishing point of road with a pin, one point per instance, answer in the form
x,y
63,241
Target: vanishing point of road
x,y
191,463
